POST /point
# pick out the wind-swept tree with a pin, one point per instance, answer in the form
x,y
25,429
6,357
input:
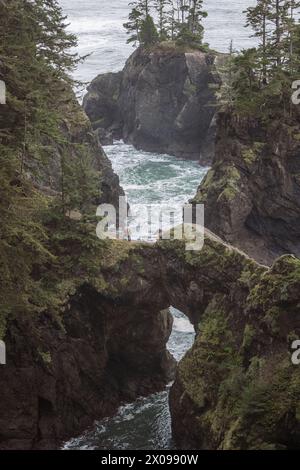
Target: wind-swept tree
x,y
264,74
183,8
226,92
133,26
140,25
273,22
293,36
195,16
280,18
172,22
179,20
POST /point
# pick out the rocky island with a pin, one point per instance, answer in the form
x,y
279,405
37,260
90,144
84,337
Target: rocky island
x,y
163,101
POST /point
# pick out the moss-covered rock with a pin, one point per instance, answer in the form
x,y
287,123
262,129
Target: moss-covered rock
x,y
251,193
237,388
104,343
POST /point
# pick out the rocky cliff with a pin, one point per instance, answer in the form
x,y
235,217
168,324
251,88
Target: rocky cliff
x,y
101,104
251,194
79,140
236,388
163,101
106,347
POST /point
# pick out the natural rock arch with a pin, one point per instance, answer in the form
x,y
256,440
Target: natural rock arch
x,y
111,347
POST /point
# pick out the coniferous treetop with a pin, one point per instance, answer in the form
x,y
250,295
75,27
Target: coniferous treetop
x,y
179,21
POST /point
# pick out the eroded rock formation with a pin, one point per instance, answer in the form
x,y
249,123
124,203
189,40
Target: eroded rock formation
x,y
81,139
108,347
163,101
252,194
236,388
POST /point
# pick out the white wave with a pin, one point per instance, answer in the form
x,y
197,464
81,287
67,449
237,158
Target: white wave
x,y
183,325
94,25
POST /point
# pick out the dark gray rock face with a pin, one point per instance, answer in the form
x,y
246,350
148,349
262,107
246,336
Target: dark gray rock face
x,y
251,194
81,137
60,377
101,102
104,136
166,102
109,346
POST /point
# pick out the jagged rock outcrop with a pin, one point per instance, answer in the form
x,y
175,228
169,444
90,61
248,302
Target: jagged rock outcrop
x,y
81,139
236,388
163,101
252,193
102,107
107,347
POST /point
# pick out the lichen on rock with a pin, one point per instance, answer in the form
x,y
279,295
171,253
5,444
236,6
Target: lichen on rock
x,y
251,193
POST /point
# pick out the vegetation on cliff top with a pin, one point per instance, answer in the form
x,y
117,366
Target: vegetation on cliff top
x,y
242,386
179,22
258,81
37,233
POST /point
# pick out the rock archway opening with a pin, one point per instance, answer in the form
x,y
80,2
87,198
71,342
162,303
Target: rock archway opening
x,y
182,334
146,421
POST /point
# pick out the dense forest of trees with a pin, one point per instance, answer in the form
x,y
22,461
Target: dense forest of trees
x,y
258,80
153,21
35,64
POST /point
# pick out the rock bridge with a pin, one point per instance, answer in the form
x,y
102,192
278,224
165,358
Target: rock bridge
x,y
111,348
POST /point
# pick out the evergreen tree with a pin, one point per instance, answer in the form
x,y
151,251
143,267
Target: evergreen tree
x,y
179,20
195,17
35,61
293,36
263,75
226,93
133,26
258,18
280,18
171,22
273,22
79,181
140,26
144,6
190,27
162,8
149,34
183,9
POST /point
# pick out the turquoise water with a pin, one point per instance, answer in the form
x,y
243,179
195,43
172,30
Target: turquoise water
x,y
153,178
162,181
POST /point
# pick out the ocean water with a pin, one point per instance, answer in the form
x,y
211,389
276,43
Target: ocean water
x,y
162,181
98,25
147,179
146,423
